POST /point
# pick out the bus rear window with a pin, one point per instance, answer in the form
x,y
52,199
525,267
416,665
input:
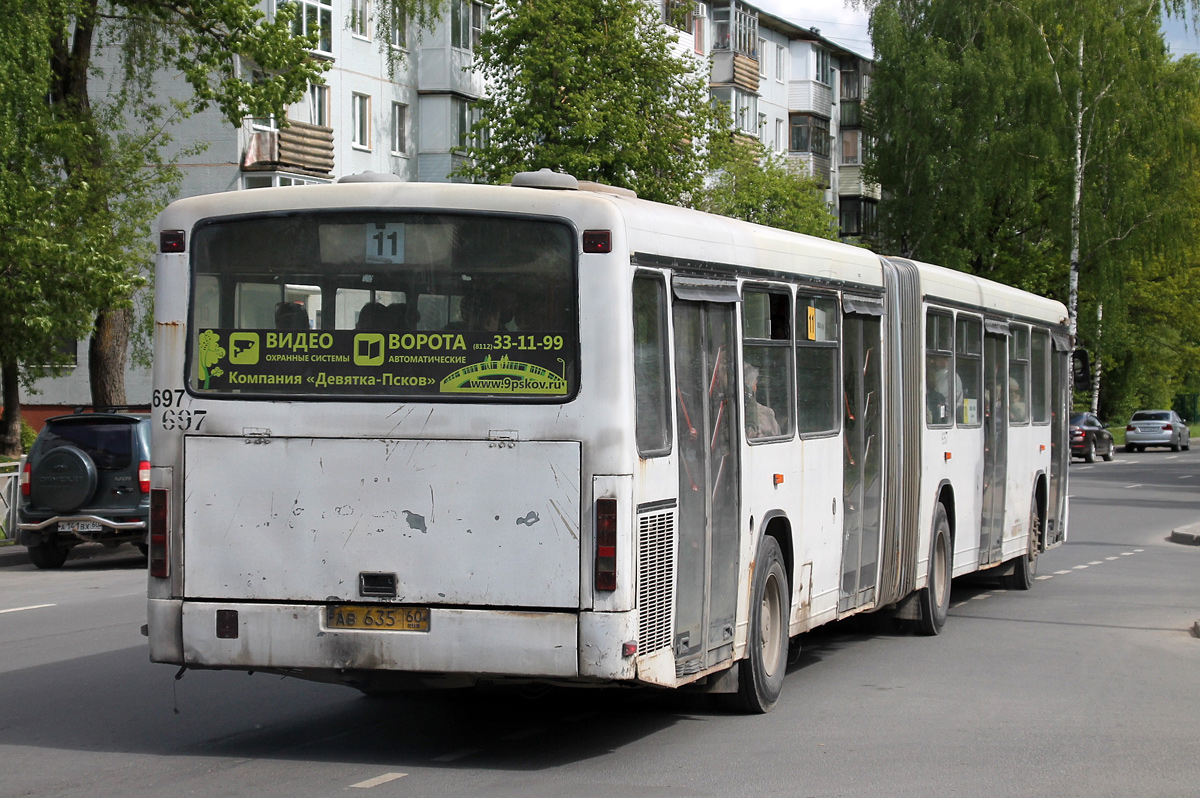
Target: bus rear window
x,y
383,305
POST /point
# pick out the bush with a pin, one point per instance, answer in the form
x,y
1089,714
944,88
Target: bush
x,y
28,434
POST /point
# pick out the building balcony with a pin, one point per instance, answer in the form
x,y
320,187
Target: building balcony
x,y
734,69
810,97
300,147
851,184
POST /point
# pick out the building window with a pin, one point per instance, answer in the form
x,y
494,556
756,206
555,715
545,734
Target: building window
x,y
858,217
275,179
466,115
399,27
318,104
359,14
822,75
762,127
781,59
360,111
851,152
399,128
315,16
699,23
467,22
678,14
809,134
762,58
780,136
735,28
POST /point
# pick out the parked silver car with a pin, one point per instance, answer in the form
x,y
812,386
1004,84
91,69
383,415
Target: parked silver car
x,y
1157,428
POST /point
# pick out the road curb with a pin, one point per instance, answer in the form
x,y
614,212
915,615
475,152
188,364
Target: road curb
x,y
1187,535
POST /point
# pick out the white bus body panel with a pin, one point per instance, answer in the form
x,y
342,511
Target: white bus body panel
x,y
458,641
465,523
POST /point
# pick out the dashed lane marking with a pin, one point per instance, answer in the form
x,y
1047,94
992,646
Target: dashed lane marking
x,y
375,782
30,607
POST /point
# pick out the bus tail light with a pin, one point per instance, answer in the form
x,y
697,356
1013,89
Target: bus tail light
x,y
159,561
26,484
144,476
606,544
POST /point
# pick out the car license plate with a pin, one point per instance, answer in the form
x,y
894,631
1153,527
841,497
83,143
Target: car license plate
x,y
376,618
81,526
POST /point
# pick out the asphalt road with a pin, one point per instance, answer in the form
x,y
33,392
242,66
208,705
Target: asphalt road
x,y
1085,686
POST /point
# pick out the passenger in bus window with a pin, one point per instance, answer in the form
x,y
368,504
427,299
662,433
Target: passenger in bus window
x,y
760,419
373,316
398,316
1017,411
291,316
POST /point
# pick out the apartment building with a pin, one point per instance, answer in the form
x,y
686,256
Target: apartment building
x,y
798,92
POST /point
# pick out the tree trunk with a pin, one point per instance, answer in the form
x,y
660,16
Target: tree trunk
x,y
106,356
10,421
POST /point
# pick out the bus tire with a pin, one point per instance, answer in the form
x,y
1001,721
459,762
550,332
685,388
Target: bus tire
x,y
1025,568
935,596
760,676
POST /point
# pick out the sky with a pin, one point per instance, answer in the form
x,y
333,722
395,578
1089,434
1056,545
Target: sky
x,y
848,26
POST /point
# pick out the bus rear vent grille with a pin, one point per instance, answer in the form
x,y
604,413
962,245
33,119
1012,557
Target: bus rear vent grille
x,y
656,580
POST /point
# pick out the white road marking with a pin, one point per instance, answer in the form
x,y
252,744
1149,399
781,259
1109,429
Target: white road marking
x,y
1127,554
450,757
30,607
1060,573
375,782
1112,558
1138,551
1096,562
1041,578
981,597
1139,485
1186,476
1080,567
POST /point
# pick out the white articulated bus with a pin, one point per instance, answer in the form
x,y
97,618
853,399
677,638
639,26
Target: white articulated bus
x,y
435,434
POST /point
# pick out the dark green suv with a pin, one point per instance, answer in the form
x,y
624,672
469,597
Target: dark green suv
x,y
86,480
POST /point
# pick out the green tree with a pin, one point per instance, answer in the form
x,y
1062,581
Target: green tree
x,y
592,88
1037,142
749,182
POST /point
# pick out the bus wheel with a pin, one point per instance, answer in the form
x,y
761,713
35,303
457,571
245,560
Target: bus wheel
x,y
935,596
1025,568
760,677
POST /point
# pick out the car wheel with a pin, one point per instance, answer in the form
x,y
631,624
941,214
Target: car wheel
x,y
1141,448
48,556
1089,454
1129,447
1175,447
1110,452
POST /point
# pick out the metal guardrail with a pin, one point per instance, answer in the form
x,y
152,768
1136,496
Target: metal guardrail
x,y
10,480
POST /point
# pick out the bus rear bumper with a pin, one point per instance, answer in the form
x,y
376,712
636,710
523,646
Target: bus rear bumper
x,y
465,641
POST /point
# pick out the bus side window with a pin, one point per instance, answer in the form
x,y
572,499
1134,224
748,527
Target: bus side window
x,y
767,373
1018,375
940,393
1039,378
653,409
968,369
817,365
